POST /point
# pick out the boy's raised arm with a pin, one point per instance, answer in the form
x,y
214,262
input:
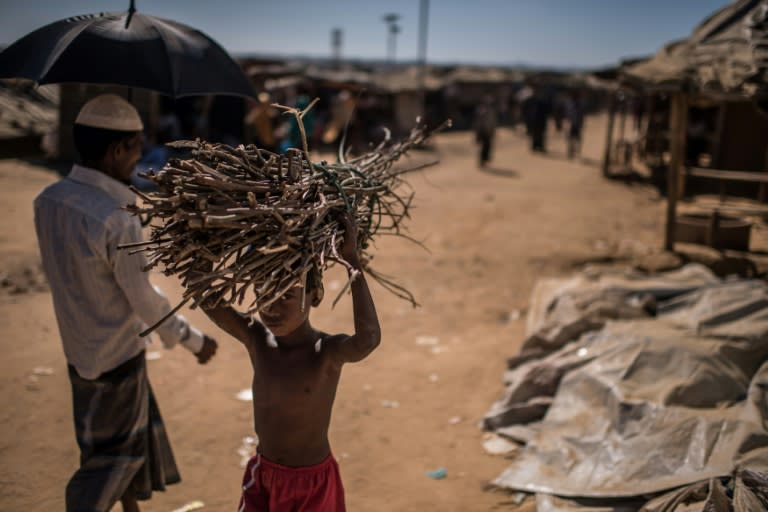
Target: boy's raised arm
x,y
230,321
367,331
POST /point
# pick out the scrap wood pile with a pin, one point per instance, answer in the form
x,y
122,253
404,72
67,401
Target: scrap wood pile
x,y
233,219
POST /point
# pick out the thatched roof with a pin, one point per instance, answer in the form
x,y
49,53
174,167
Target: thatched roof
x,y
667,69
386,81
26,109
483,75
407,79
348,76
726,54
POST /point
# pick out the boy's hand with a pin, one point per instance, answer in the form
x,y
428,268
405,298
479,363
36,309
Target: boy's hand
x,y
349,250
208,350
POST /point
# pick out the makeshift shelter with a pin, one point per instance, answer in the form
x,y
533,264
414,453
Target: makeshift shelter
x,y
346,103
27,117
718,77
408,91
466,87
269,74
384,97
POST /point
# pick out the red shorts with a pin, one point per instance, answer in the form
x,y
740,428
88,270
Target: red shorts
x,y
268,486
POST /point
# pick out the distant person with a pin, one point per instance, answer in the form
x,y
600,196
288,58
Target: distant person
x,y
574,110
296,371
559,112
294,134
260,122
523,102
484,124
103,299
538,108
341,117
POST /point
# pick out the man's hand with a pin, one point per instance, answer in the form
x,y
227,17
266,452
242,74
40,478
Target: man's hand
x,y
349,250
208,350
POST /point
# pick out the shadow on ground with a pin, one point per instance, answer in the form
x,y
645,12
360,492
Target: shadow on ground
x,y
497,171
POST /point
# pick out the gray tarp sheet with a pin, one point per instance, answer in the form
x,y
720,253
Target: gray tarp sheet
x,y
562,310
644,405
556,301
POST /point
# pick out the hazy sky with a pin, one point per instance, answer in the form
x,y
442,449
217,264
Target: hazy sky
x,y
573,33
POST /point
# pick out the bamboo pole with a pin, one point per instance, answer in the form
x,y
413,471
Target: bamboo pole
x,y
609,137
682,176
677,134
650,144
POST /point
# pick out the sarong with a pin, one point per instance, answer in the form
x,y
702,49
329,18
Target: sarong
x,y
122,439
268,486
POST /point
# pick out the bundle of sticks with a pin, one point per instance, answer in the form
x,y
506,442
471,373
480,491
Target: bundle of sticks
x,y
233,219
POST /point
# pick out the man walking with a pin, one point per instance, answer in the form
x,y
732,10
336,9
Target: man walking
x,y
103,299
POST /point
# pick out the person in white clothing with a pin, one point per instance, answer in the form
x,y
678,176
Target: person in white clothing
x,y
103,299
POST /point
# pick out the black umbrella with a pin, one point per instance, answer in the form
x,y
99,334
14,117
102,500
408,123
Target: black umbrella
x,y
129,49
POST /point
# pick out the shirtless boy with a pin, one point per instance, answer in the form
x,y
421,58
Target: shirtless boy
x,y
294,386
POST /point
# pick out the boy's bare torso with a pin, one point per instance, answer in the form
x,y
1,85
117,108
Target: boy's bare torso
x,y
294,384
293,393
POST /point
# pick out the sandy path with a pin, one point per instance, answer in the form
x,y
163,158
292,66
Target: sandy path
x,y
491,235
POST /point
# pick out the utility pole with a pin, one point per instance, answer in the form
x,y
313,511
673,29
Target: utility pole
x,y
423,26
393,29
422,53
336,43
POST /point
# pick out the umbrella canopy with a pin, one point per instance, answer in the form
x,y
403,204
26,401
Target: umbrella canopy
x,y
129,49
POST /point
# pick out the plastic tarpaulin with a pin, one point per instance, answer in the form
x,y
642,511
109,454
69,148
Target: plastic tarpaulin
x,y
645,405
562,310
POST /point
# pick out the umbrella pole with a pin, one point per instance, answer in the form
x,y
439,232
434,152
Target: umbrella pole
x,y
131,10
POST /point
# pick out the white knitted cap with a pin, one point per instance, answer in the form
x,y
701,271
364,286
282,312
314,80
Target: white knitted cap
x,y
110,112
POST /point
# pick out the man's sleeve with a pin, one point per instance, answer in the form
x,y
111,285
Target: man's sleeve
x,y
147,301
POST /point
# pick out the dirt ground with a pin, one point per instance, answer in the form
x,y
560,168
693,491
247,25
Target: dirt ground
x,y
412,407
